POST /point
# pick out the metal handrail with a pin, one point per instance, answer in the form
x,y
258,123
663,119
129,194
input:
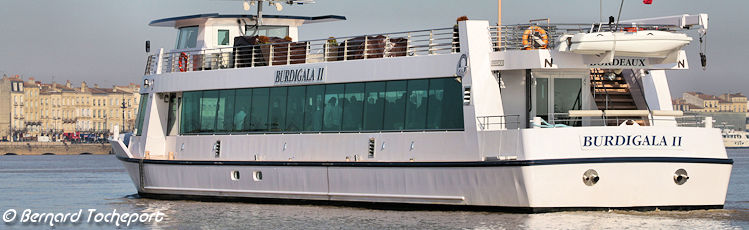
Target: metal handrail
x,y
512,35
682,121
399,44
502,121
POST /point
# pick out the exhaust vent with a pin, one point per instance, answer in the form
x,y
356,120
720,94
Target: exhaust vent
x,y
467,95
217,149
371,148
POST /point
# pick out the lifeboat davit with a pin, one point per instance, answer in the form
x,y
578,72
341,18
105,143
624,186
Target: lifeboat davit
x,y
643,43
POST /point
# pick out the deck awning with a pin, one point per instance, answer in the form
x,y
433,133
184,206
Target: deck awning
x,y
171,22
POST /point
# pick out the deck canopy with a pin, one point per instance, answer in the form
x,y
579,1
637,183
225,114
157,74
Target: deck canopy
x,y
172,22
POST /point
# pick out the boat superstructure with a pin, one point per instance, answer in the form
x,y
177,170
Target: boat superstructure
x,y
735,139
469,115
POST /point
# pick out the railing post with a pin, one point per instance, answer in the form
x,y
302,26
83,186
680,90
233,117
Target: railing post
x,y
431,41
172,63
408,44
306,51
160,61
202,60
270,55
345,50
252,56
236,54
365,47
288,54
325,47
385,51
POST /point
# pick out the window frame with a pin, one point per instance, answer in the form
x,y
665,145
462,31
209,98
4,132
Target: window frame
x,y
266,28
218,37
179,37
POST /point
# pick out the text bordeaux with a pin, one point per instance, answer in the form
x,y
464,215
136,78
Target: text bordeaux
x,y
624,62
631,140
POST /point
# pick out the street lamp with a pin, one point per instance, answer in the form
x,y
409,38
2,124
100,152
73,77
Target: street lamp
x,y
124,106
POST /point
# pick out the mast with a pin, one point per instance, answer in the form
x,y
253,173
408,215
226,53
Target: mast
x,y
260,12
499,23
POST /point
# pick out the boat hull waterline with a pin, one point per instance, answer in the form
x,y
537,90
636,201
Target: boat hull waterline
x,y
626,182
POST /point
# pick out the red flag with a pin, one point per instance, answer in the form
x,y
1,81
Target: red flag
x,y
648,2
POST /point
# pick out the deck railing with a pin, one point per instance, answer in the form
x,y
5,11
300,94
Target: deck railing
x,y
400,44
512,36
499,122
561,120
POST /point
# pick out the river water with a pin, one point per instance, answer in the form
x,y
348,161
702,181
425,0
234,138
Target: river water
x,y
67,184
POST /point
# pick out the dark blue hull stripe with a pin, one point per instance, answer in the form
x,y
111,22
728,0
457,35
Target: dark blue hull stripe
x,y
443,164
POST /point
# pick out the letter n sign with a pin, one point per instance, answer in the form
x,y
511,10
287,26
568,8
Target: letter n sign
x,y
681,64
549,63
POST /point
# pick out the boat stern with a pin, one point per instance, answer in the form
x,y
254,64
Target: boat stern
x,y
625,167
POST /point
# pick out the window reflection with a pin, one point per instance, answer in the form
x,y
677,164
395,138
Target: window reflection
x,y
426,104
188,37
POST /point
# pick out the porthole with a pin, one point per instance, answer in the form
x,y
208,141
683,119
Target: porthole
x,y
257,175
590,177
681,176
235,175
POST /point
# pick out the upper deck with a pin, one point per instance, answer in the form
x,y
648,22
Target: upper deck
x,y
261,50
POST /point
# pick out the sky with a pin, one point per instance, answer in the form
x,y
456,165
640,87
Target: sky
x,y
102,41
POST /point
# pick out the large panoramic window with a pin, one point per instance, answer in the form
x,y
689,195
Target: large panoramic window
x,y
395,105
268,31
225,111
333,107
171,116
188,37
374,105
141,114
242,110
353,107
277,109
426,104
189,122
259,112
416,104
208,105
313,110
295,108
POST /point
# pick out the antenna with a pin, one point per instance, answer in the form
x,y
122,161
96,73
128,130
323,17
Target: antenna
x,y
247,4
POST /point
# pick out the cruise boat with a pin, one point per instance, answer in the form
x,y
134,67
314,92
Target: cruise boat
x,y
468,115
735,139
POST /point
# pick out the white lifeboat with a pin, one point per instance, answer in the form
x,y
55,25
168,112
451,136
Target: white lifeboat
x,y
644,43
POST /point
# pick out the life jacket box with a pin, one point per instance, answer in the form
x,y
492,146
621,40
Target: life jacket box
x,y
374,46
251,50
244,50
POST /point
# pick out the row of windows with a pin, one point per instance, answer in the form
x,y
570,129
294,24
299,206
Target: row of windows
x,y
16,86
426,104
188,36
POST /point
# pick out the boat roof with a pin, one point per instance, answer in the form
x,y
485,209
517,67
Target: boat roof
x,y
170,22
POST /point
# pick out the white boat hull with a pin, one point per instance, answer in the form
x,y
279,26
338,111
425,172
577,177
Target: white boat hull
x,y
639,44
533,187
630,176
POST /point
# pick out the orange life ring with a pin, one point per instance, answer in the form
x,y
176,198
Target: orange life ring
x,y
527,40
633,29
183,62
